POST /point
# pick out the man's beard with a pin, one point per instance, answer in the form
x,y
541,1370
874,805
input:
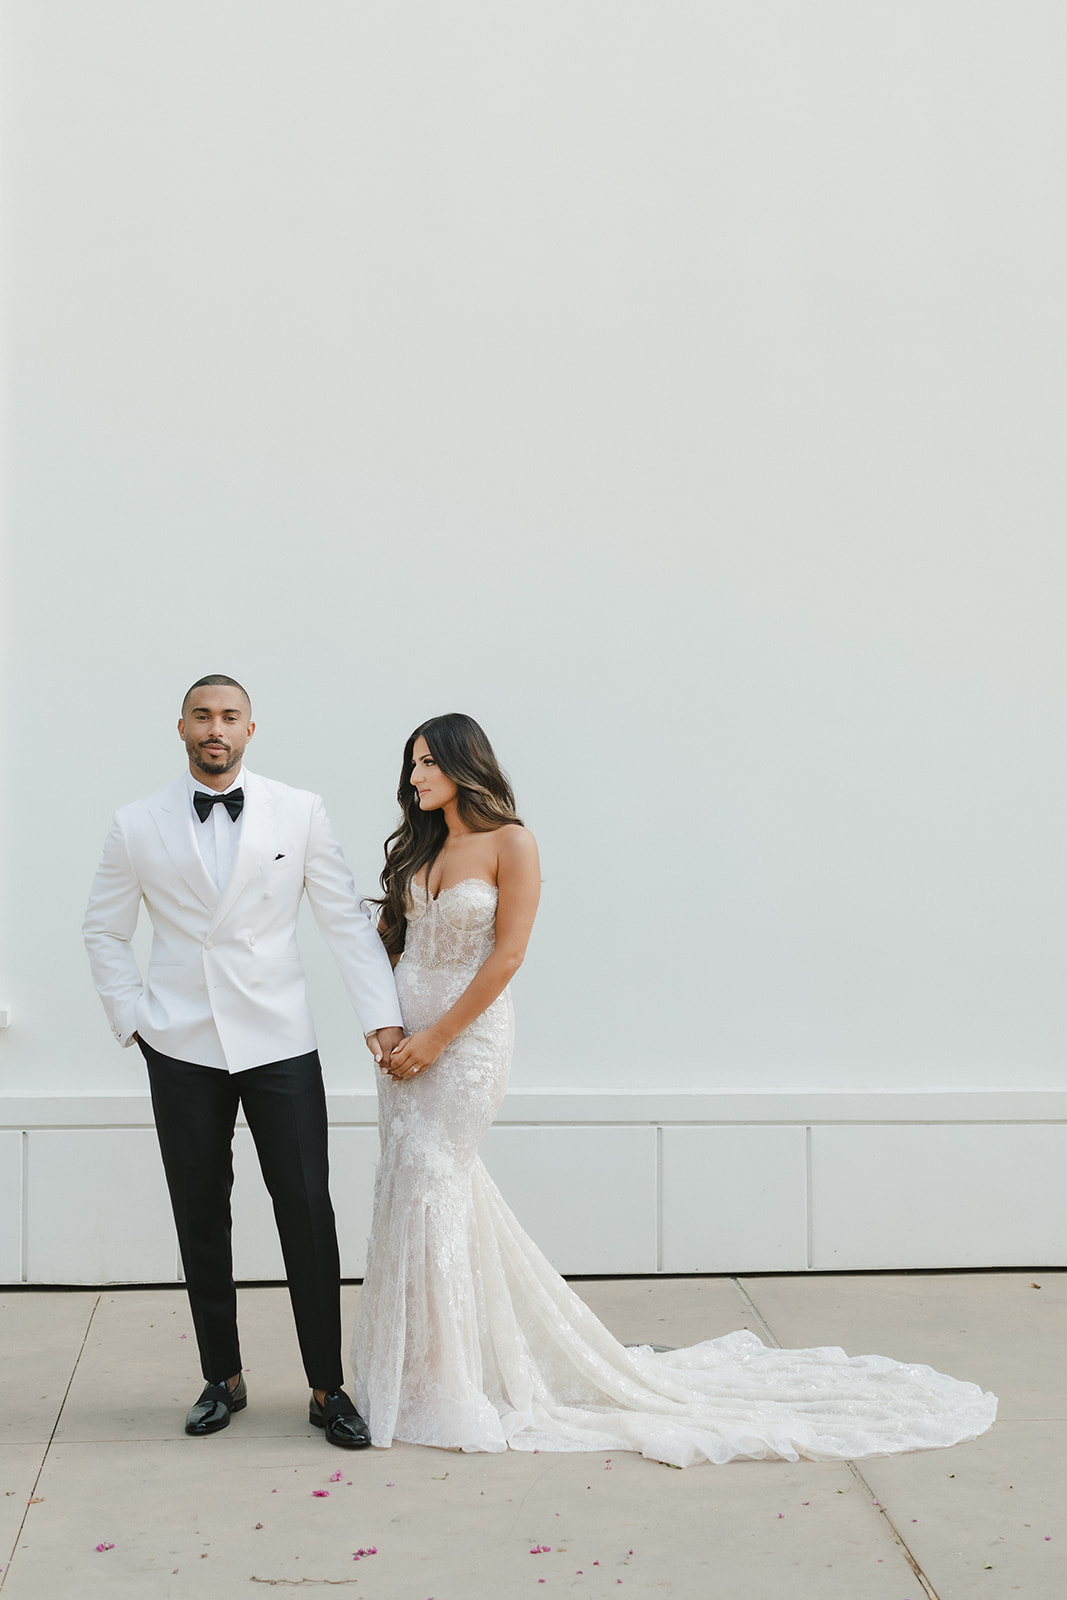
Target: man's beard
x,y
199,759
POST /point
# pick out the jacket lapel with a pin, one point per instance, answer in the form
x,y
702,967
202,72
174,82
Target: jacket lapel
x,y
256,834
173,816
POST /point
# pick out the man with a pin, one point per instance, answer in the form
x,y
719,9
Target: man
x,y
221,860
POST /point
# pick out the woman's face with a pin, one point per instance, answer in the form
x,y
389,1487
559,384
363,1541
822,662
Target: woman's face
x,y
434,789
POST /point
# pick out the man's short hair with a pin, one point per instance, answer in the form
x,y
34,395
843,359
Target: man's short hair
x,y
217,680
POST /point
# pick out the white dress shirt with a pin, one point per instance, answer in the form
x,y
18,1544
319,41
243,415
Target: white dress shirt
x,y
217,837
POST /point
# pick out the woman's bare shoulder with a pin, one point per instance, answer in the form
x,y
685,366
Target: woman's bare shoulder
x,y
515,845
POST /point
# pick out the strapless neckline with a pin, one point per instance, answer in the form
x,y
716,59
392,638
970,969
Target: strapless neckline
x,y
432,899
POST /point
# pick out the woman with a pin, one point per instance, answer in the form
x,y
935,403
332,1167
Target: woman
x,y
465,1336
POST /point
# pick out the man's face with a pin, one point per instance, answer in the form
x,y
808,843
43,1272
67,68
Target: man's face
x,y
215,726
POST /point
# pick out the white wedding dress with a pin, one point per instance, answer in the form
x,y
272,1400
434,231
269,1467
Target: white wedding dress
x,y
468,1339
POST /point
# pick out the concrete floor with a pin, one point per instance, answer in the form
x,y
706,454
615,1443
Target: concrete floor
x,y
95,1386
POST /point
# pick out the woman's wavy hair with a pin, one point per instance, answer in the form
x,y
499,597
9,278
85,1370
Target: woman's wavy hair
x,y
485,802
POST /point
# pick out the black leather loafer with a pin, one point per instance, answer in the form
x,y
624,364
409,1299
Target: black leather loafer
x,y
340,1421
212,1410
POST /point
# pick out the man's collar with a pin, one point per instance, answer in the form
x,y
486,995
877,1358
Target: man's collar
x,y
193,783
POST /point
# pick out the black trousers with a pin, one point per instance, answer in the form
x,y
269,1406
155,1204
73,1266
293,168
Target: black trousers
x,y
285,1105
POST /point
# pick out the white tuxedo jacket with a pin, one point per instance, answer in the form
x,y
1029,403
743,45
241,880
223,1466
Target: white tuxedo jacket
x,y
225,985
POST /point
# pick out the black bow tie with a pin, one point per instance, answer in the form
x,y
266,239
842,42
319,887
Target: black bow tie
x,y
234,803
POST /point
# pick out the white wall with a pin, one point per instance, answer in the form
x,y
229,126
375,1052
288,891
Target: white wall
x,y
679,388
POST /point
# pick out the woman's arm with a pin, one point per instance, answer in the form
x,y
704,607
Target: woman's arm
x,y
518,891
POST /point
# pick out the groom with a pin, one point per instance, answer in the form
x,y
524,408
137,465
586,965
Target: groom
x,y
221,860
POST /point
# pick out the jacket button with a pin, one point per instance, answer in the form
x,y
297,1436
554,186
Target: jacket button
x,y
251,940
267,896
208,944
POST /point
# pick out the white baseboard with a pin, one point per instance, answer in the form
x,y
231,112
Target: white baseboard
x,y
605,1183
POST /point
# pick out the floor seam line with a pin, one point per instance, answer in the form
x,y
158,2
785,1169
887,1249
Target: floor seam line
x,y
917,1571
48,1444
757,1314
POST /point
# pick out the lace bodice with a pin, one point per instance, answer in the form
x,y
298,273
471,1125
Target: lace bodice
x,y
458,929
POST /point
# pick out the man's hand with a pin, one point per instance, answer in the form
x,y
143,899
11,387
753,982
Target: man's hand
x,y
417,1052
382,1042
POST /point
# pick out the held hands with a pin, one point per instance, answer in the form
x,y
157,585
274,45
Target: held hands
x,y
404,1058
414,1054
381,1042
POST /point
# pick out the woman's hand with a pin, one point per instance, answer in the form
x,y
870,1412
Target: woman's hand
x,y
414,1054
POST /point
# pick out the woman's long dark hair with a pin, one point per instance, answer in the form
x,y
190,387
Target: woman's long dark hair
x,y
485,802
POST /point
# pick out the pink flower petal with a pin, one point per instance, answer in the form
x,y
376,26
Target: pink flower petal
x,y
321,1494
336,1477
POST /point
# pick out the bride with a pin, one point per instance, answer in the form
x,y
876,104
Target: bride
x,y
465,1336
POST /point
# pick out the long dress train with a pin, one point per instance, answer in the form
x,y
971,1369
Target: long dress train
x,y
467,1338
